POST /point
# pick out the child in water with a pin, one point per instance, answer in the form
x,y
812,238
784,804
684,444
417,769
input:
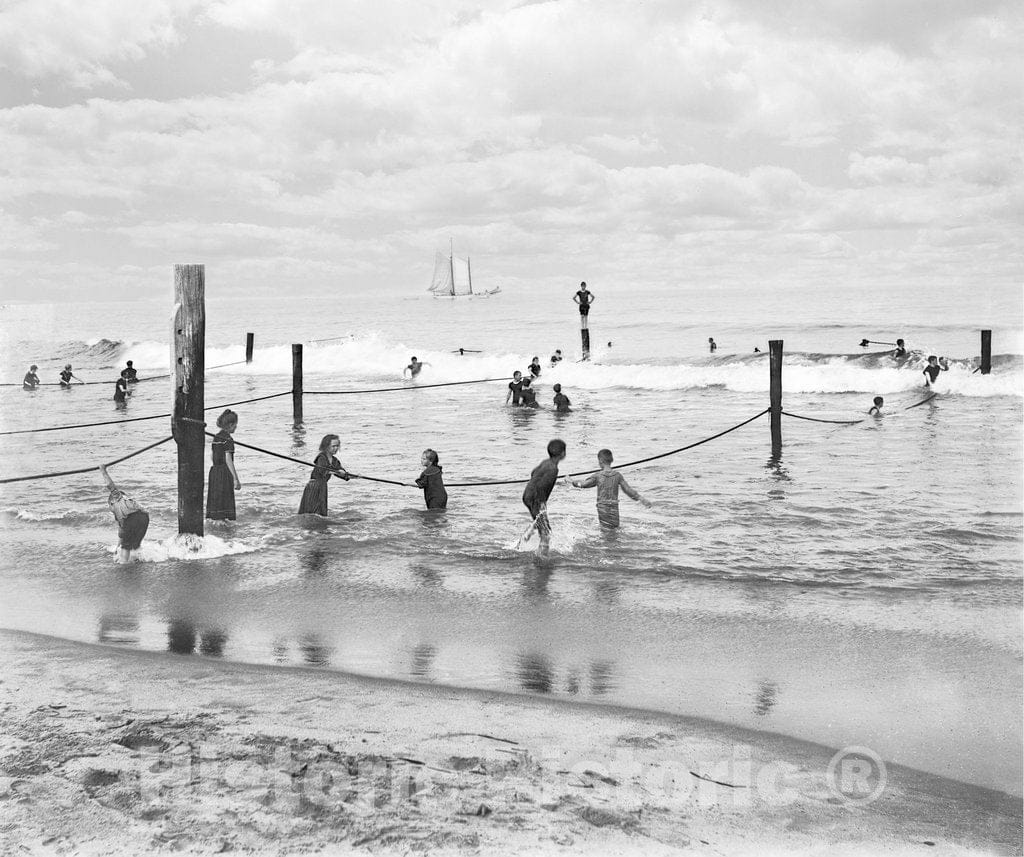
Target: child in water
x,y
529,395
314,495
31,380
608,482
876,408
538,489
561,401
935,365
414,368
432,481
223,480
132,519
534,367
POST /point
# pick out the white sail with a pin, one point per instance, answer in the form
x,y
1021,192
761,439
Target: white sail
x,y
462,285
442,282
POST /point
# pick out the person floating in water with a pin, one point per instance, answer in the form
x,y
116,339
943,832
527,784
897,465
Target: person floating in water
x,y
515,388
584,297
529,395
121,391
534,367
935,365
314,495
608,482
556,358
414,367
711,345
431,481
132,519
538,490
223,482
67,376
129,373
876,409
561,400
757,350
31,380
900,350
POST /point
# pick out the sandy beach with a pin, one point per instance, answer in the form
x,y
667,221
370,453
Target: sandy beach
x,y
123,752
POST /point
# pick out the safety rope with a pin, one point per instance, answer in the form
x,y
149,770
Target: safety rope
x,y
300,461
140,419
818,420
87,469
399,389
136,381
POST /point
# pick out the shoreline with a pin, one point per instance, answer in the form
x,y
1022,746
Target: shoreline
x,y
122,751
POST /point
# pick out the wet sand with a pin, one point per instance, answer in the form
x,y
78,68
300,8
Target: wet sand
x,y
105,750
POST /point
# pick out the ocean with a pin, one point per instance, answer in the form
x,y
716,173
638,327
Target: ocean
x,y
864,589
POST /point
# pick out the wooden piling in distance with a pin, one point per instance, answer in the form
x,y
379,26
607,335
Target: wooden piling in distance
x,y
189,337
775,394
297,382
986,352
249,339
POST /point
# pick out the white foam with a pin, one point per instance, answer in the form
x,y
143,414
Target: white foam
x,y
189,547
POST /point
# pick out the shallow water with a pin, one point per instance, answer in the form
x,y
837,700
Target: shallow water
x,y
866,589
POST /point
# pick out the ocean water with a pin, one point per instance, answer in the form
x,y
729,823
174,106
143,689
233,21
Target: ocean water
x,y
864,589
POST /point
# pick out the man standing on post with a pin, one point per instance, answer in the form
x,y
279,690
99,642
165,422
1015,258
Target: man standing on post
x,y
584,298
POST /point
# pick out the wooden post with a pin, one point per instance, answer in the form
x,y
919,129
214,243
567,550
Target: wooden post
x,y
775,394
986,352
248,347
189,337
585,339
297,383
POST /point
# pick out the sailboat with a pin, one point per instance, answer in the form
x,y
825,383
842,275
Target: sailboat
x,y
453,278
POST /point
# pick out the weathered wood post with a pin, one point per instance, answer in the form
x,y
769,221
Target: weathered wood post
x,y
585,337
297,382
189,337
248,347
986,352
775,394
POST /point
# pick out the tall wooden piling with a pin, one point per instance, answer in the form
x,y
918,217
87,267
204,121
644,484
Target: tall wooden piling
x,y
986,352
189,337
249,339
585,338
297,382
775,394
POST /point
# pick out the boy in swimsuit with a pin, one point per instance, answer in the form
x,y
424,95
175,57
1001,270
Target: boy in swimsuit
x,y
556,357
534,368
900,350
414,367
561,401
515,388
538,489
931,371
529,395
66,377
584,298
31,380
130,373
876,408
608,482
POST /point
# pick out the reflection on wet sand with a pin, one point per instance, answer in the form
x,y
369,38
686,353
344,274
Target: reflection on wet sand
x,y
766,697
182,635
119,628
536,673
422,660
315,650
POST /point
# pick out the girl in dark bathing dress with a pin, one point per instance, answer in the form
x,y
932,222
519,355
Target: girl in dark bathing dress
x,y
432,481
314,497
220,496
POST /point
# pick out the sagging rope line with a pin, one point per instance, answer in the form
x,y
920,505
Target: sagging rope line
x,y
139,419
818,420
855,422
498,482
399,389
87,469
137,380
300,461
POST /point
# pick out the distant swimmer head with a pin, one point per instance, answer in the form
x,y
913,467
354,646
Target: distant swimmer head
x,y
899,342
879,401
517,375
129,363
556,448
67,366
331,442
558,351
429,457
609,345
33,367
557,388
228,420
413,360
604,456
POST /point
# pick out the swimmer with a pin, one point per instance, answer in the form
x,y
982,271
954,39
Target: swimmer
x,y
414,367
608,482
132,519
556,357
515,388
431,481
534,367
900,350
561,401
935,365
876,408
66,376
529,395
130,373
711,345
31,380
535,497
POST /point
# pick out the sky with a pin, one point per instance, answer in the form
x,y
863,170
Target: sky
x,y
325,147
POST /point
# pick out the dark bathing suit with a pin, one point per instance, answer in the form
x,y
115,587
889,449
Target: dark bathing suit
x,y
932,372
584,297
517,391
